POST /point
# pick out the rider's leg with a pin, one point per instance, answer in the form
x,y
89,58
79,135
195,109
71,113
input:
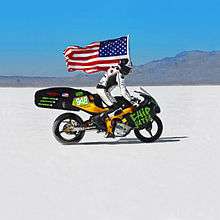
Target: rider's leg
x,y
106,96
109,100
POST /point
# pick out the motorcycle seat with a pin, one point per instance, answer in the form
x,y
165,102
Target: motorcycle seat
x,y
121,101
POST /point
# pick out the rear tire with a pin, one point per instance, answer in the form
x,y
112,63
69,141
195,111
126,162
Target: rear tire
x,y
68,120
154,137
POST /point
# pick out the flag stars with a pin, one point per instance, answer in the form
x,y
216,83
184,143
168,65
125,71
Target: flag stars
x,y
116,47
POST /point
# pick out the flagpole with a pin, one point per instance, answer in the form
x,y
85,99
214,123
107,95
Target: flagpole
x,y
128,48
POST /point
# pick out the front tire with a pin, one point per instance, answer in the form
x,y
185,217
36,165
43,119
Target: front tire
x,y
62,128
148,131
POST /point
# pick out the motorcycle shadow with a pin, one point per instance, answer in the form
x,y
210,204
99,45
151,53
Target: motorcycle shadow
x,y
135,141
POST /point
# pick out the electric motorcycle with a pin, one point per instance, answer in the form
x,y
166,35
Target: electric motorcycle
x,y
70,128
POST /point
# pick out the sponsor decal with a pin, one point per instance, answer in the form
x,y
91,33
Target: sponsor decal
x,y
141,117
53,94
47,101
49,98
45,104
65,95
79,93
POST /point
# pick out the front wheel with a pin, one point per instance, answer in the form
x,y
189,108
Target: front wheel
x,y
64,128
151,132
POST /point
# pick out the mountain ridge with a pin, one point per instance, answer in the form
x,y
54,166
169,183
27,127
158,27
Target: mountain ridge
x,y
185,68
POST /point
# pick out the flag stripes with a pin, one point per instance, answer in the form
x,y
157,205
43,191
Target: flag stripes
x,y
97,56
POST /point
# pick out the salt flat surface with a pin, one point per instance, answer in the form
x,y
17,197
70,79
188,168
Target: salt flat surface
x,y
176,178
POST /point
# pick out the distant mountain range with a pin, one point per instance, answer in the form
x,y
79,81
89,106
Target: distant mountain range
x,y
186,68
189,67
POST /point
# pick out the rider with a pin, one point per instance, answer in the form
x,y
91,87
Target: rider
x,y
114,77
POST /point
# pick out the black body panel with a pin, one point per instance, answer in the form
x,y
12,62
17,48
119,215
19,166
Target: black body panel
x,y
58,98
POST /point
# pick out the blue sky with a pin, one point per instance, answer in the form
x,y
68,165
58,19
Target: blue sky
x,y
33,34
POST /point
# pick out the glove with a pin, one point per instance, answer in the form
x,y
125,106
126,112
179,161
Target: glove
x,y
135,101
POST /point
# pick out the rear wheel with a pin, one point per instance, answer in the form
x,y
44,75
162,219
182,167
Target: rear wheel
x,y
151,132
64,128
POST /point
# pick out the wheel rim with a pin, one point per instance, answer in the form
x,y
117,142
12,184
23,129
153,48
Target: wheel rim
x,y
65,129
151,131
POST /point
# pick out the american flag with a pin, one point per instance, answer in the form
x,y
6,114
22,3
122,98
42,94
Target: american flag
x,y
97,56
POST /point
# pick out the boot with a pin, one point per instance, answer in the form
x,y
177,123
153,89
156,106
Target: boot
x,y
109,135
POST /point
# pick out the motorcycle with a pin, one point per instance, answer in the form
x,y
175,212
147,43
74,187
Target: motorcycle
x,y
70,128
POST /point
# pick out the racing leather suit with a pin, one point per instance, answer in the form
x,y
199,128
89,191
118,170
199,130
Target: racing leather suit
x,y
112,78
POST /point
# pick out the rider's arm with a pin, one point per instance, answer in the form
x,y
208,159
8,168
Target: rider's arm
x,y
102,82
122,86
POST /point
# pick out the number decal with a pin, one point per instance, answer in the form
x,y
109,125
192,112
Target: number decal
x,y
81,101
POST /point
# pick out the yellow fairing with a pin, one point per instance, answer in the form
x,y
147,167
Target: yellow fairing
x,y
91,107
119,116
